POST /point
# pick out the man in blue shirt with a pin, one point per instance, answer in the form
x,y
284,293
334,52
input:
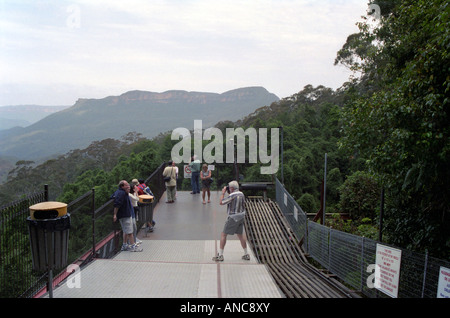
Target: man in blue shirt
x,y
123,211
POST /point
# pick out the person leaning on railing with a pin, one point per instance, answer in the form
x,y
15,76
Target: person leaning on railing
x,y
123,211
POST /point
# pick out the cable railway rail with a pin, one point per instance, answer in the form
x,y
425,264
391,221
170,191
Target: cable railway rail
x,y
275,245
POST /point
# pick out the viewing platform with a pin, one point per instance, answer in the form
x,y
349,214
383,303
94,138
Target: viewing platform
x,y
291,255
176,261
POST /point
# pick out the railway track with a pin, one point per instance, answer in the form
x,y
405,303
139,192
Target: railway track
x,y
275,245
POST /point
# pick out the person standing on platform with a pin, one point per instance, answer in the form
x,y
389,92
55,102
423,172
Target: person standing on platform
x,y
205,175
123,211
234,224
134,197
171,183
142,189
195,173
176,177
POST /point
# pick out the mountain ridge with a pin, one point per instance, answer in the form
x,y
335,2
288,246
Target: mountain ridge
x,y
25,115
144,112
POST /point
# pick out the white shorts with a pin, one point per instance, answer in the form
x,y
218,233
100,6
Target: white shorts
x,y
127,225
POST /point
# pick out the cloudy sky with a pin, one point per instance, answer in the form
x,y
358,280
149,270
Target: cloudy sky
x,y
53,52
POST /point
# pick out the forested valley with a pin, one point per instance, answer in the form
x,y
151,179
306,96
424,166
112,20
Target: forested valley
x,y
386,129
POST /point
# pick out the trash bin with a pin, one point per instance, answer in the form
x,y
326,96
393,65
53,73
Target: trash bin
x,y
146,208
49,225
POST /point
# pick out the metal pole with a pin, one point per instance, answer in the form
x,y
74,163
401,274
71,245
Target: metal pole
x,y
324,188
236,169
45,192
380,231
425,273
93,222
362,265
50,283
47,261
282,155
329,249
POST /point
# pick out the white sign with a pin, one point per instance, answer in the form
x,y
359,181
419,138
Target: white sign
x,y
443,290
387,269
187,172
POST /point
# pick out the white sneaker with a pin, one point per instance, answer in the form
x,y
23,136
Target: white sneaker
x,y
134,248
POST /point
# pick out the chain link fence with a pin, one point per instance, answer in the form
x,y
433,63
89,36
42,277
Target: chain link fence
x,y
352,258
291,211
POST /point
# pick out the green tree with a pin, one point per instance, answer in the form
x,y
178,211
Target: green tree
x,y
398,119
308,203
359,196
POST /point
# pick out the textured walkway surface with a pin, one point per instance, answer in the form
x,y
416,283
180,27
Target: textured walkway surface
x,y
176,260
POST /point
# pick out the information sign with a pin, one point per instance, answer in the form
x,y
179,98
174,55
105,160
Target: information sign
x,y
387,269
443,290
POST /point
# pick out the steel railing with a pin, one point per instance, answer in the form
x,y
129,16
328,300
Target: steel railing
x,y
93,234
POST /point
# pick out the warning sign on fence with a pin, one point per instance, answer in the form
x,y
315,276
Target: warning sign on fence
x,y
387,269
187,172
444,283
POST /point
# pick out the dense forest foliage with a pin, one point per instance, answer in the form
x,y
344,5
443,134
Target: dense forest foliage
x,y
397,117
386,128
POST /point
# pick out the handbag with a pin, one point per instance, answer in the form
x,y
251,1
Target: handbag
x,y
167,179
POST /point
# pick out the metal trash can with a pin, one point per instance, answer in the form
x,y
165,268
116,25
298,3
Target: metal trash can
x,y
146,208
49,225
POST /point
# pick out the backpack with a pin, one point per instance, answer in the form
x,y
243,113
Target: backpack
x,y
145,189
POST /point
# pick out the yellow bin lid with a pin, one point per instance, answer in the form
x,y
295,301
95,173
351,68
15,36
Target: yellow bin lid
x,y
145,198
48,210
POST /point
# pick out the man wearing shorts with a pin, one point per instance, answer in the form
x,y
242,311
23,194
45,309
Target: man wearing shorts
x,y
235,221
123,211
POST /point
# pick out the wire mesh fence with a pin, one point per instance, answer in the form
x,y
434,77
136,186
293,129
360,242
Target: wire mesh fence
x,y
16,270
353,258
291,210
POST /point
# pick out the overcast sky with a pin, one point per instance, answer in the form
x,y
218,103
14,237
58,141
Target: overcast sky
x,y
54,52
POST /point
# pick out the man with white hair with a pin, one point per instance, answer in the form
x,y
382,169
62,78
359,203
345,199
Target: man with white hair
x,y
235,222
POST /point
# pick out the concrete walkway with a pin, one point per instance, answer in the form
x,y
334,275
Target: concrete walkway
x,y
176,261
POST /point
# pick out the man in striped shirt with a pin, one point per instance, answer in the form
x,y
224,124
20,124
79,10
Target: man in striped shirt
x,y
235,222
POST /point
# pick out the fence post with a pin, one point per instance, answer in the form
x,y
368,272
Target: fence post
x,y
324,189
425,272
362,264
45,192
282,155
307,238
93,221
380,230
329,248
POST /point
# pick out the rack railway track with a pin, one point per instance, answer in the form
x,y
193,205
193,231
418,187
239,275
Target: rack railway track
x,y
275,245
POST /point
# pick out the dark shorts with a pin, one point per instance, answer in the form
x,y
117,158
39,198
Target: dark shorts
x,y
206,184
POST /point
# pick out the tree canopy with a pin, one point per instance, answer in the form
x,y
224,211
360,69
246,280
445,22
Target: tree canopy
x,y
397,117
